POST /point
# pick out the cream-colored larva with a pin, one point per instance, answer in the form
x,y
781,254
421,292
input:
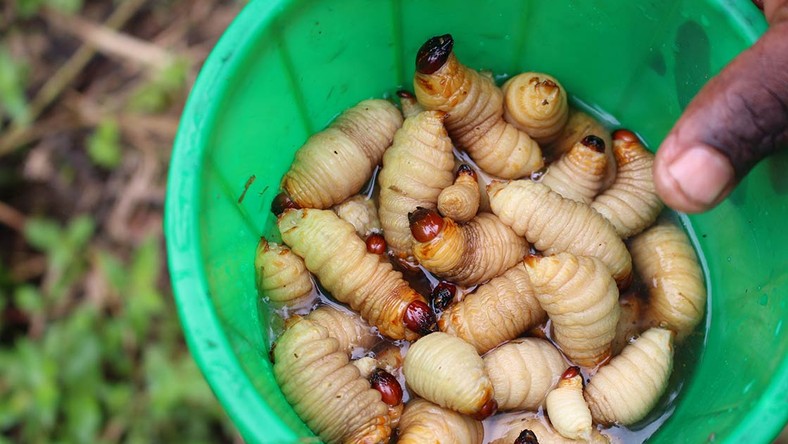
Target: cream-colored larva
x,y
523,372
335,163
554,224
460,201
581,299
410,106
665,259
579,174
629,386
527,428
466,254
325,390
631,204
567,409
360,211
579,126
348,328
447,371
416,168
475,106
282,277
497,311
630,323
339,259
424,422
536,103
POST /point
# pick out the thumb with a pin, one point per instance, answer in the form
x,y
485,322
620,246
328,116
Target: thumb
x,y
739,117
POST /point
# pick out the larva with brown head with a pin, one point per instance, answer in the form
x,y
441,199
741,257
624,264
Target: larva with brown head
x,y
347,328
537,104
282,277
466,254
580,173
475,106
665,259
425,422
581,299
410,106
527,428
629,386
339,259
335,163
415,169
578,126
447,371
567,409
523,372
554,224
497,311
460,201
360,211
631,203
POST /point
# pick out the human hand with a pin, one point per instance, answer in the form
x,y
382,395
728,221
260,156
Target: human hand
x,y
739,117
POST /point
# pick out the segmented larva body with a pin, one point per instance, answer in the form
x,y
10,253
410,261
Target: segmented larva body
x,y
629,323
580,173
581,299
282,277
502,309
447,371
466,254
631,204
554,224
424,422
523,372
348,328
567,409
360,211
415,169
666,261
335,163
325,390
536,103
460,201
410,106
475,106
338,258
579,126
629,386
527,428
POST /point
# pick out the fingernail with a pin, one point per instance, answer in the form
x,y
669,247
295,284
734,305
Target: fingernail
x,y
702,174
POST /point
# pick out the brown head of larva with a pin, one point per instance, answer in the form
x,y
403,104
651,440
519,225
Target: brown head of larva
x,y
488,409
388,386
571,372
625,135
531,259
404,94
283,202
376,243
433,53
425,224
466,169
526,437
419,318
594,142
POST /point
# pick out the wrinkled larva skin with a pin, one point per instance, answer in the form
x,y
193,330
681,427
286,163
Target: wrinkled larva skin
x,y
339,259
447,371
523,372
581,299
348,328
554,224
424,422
460,201
578,126
471,253
629,386
416,168
410,106
360,212
502,309
335,163
630,323
325,390
545,434
568,411
666,261
578,175
631,204
282,277
475,121
536,103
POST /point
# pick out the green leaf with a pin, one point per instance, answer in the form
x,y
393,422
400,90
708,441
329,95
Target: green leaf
x,y
67,6
42,234
104,144
83,416
79,231
157,94
28,299
12,87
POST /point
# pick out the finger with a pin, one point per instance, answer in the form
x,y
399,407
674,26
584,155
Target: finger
x,y
738,118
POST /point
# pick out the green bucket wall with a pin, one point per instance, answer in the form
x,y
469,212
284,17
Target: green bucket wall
x,y
285,68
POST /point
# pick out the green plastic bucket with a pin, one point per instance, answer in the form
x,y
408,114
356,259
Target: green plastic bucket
x,y
285,68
